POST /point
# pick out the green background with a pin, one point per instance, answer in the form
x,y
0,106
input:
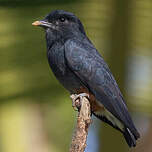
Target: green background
x,y
35,110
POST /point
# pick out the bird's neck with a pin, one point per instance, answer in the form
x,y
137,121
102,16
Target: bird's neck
x,y
54,37
51,38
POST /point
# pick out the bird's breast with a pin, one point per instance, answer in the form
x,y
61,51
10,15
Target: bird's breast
x,y
60,69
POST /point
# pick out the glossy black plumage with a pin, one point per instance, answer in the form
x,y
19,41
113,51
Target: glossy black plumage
x,y
76,63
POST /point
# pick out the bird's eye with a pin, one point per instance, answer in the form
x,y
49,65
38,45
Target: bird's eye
x,y
62,19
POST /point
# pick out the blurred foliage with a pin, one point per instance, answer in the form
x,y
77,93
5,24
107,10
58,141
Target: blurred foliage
x,y
22,3
35,110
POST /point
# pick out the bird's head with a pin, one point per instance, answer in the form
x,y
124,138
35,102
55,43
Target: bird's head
x,y
61,24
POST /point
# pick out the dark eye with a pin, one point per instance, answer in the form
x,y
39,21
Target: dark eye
x,y
62,19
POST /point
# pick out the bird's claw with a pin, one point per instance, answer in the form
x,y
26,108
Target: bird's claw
x,y
76,100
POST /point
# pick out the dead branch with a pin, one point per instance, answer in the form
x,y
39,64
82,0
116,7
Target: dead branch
x,y
83,122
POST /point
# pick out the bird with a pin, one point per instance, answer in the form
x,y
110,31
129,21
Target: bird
x,y
81,69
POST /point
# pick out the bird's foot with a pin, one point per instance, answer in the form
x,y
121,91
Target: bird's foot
x,y
76,100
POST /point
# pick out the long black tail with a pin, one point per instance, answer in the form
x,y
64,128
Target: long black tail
x,y
130,137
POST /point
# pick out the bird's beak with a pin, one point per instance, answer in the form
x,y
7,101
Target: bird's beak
x,y
42,23
36,23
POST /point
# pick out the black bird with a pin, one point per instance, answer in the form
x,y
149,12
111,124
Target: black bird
x,y
81,69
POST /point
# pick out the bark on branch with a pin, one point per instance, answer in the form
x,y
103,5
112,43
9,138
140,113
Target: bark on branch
x,y
83,122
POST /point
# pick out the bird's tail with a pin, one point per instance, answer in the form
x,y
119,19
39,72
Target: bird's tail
x,y
130,137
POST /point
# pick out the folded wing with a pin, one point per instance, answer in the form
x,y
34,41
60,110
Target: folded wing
x,y
87,64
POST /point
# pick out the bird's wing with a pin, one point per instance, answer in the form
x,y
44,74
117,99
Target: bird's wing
x,y
86,63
